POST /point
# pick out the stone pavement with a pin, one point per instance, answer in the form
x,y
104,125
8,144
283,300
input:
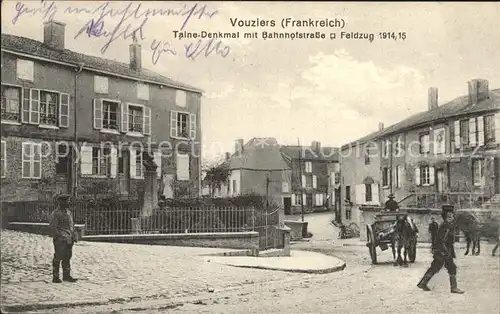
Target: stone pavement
x,y
111,272
298,261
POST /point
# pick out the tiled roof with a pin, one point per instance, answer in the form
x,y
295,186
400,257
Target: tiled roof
x,y
326,153
259,154
364,139
39,49
457,107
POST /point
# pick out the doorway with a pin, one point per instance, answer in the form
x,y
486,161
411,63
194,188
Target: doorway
x,y
287,203
124,172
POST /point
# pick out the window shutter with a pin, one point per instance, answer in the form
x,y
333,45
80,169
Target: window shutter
x,y
315,181
147,121
133,160
472,131
400,174
64,110
183,168
497,127
114,161
375,195
457,134
35,106
26,164
431,175
173,123
97,114
124,116
37,161
86,160
157,159
304,199
25,117
303,181
192,126
417,176
293,200
480,130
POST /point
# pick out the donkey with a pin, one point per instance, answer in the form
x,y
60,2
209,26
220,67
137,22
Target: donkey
x,y
404,234
474,229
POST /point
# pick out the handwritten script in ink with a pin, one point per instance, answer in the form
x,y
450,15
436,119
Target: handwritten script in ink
x,y
206,48
133,13
158,47
128,21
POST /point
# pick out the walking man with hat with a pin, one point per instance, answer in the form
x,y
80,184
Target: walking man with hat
x,y
444,252
391,205
63,238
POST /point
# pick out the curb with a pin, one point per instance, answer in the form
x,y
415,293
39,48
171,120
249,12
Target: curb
x,y
292,270
30,307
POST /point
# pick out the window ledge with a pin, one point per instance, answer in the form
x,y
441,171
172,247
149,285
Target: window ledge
x,y
110,131
137,178
30,178
46,126
95,176
10,122
180,138
134,134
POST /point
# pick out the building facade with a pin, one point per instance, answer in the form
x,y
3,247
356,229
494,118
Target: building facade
x,y
257,167
360,176
446,153
81,124
315,178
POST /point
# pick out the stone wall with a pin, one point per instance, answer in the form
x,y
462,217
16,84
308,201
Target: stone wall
x,y
233,240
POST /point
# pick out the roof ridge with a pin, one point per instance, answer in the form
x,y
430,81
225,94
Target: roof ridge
x,y
74,56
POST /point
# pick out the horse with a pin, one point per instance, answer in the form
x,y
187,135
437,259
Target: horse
x,y
474,229
404,235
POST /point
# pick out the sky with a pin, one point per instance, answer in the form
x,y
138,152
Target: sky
x,y
329,90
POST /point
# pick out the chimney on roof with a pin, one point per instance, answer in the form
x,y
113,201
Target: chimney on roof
x,y
380,126
135,54
228,155
238,146
316,146
53,34
478,91
433,98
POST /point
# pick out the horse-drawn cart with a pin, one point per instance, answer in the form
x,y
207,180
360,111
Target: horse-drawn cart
x,y
381,233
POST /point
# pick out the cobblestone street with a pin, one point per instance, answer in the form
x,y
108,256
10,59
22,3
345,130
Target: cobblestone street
x,y
129,275
115,272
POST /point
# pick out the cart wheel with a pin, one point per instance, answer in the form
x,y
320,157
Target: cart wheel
x,y
413,251
372,247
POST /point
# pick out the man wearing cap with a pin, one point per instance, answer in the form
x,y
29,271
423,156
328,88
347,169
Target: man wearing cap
x,y
444,252
63,239
391,205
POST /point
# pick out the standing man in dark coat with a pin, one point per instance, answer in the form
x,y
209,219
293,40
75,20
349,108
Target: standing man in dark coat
x,y
391,204
63,237
433,231
444,252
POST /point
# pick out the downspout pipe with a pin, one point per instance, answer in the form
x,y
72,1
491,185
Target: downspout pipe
x,y
78,70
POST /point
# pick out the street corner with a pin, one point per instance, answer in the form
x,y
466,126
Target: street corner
x,y
298,262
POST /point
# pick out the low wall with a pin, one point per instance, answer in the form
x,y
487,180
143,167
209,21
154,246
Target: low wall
x,y
42,228
421,217
230,240
298,229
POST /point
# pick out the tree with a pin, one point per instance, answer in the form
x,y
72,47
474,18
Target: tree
x,y
216,176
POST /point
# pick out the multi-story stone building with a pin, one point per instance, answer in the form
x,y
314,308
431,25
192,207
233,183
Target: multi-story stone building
x,y
442,153
315,177
360,175
60,106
